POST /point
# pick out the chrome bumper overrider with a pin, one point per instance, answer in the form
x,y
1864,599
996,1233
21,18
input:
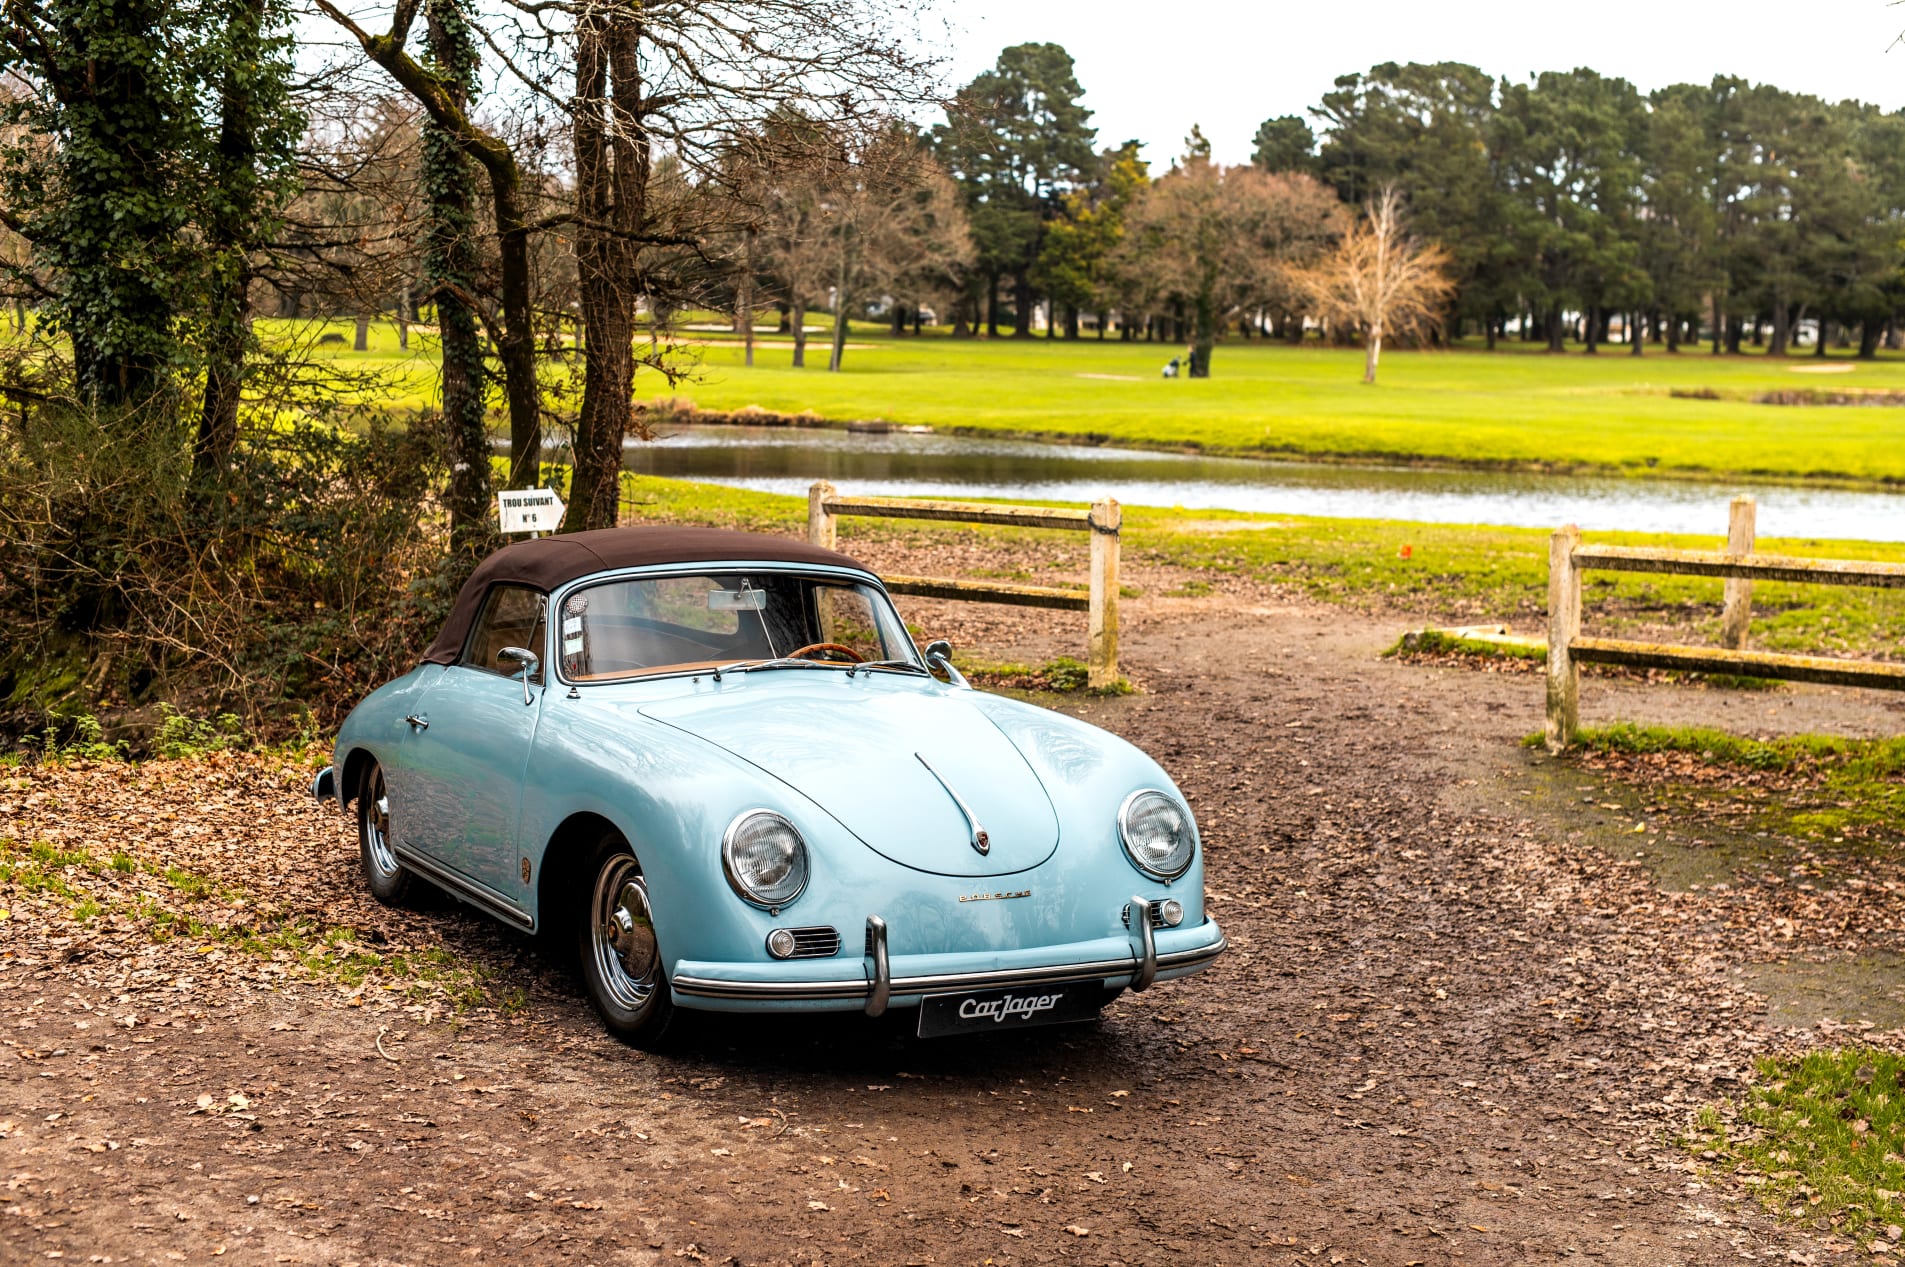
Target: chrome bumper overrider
x,y
879,986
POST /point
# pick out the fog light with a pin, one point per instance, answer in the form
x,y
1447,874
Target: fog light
x,y
1170,912
780,944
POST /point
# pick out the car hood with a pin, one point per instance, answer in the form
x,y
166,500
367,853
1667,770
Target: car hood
x,y
861,750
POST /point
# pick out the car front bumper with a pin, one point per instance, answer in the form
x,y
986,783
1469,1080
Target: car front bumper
x,y
1145,955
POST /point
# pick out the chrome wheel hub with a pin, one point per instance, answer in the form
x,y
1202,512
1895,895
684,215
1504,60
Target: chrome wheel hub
x,y
627,958
377,829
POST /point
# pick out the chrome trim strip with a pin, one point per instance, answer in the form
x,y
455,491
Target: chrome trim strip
x,y
324,785
976,834
882,988
793,991
466,890
1139,913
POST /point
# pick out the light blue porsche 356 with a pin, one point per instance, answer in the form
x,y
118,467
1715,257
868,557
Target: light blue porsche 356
x,y
717,763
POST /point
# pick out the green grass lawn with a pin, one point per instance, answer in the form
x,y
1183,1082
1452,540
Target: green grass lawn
x,y
1818,1138
1453,572
1514,406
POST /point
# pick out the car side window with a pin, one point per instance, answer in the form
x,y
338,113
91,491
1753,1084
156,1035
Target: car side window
x,y
512,617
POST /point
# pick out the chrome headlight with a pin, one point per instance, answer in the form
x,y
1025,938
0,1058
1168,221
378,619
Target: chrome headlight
x,y
1157,835
765,859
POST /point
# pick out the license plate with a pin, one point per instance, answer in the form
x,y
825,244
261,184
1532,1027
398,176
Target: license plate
x,y
994,1011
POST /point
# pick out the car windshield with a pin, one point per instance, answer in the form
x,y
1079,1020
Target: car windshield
x,y
673,624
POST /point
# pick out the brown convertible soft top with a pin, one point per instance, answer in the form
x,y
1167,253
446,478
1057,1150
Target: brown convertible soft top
x,y
548,562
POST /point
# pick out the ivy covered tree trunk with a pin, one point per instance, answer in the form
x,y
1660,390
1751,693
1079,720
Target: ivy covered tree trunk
x,y
451,267
447,105
108,225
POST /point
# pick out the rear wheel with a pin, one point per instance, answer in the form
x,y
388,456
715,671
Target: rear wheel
x,y
621,959
387,879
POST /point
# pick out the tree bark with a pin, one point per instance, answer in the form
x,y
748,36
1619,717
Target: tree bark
x,y
1557,332
1636,335
1021,307
451,269
1870,331
228,328
839,350
744,302
1203,331
515,343
800,335
992,305
1372,352
612,166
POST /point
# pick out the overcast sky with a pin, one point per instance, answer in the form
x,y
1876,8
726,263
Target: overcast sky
x,y
1152,69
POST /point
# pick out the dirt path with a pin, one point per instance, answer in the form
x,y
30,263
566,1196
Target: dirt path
x,y
1451,1029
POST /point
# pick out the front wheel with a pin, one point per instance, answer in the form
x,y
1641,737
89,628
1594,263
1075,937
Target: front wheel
x,y
387,879
621,959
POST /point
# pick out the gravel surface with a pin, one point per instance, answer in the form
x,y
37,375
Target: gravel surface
x,y
1460,1022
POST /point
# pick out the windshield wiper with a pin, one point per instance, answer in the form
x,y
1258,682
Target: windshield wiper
x,y
777,662
908,665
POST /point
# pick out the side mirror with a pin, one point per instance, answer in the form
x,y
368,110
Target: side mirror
x,y
528,659
939,656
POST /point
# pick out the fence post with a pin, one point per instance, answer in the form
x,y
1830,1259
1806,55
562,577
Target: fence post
x,y
820,520
1738,611
1564,624
1102,635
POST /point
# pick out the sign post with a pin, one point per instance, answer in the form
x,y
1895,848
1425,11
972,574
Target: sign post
x,y
531,510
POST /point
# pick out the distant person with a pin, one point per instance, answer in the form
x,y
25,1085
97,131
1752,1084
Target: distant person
x,y
1170,371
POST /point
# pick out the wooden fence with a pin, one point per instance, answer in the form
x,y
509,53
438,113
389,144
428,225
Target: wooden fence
x,y
1100,602
1740,567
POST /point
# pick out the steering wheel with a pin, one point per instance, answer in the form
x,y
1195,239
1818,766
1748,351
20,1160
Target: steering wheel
x,y
830,649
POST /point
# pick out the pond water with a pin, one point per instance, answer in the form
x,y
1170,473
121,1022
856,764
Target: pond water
x,y
787,460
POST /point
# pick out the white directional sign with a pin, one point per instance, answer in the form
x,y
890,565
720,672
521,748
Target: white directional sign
x,y
529,509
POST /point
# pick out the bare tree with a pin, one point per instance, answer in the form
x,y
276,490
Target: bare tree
x,y
1208,240
674,82
851,217
1379,280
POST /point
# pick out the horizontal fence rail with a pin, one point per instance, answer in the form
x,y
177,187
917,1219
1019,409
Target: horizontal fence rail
x,y
1749,567
986,592
1824,670
1100,601
1739,567
961,512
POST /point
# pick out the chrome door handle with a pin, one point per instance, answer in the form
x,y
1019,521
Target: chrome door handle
x,y
418,723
